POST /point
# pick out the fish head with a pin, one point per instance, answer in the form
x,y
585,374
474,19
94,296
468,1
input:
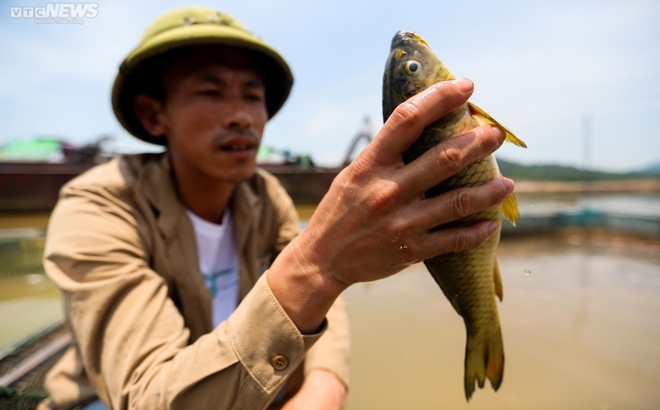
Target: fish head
x,y
411,68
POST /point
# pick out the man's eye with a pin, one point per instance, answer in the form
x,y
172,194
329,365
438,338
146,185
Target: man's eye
x,y
254,97
209,92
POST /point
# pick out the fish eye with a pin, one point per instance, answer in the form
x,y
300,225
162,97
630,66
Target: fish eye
x,y
412,66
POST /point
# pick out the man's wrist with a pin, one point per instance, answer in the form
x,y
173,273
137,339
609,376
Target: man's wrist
x,y
304,291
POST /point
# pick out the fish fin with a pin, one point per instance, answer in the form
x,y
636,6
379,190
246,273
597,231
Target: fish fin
x,y
484,358
510,209
437,275
497,279
483,118
454,302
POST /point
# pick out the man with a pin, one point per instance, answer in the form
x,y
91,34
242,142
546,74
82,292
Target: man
x,y
126,242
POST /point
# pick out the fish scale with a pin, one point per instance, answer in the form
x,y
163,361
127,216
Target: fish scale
x,y
470,279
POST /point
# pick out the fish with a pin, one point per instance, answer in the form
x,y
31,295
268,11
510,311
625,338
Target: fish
x,y
470,279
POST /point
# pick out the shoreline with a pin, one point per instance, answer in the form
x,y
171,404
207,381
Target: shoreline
x,y
587,187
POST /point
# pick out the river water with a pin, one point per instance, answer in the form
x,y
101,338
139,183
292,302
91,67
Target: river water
x,y
579,319
580,326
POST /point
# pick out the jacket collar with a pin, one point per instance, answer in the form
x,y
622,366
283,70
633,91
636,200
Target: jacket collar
x,y
246,207
158,188
177,231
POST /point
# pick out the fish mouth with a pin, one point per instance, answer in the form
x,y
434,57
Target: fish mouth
x,y
403,37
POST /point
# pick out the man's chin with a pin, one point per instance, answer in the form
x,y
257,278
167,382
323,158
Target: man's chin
x,y
241,175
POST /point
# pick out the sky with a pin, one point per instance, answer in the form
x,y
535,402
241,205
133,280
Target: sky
x,y
551,71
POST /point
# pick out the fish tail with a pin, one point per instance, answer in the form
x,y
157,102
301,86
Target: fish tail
x,y
484,358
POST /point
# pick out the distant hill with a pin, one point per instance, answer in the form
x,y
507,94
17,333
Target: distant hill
x,y
566,173
651,169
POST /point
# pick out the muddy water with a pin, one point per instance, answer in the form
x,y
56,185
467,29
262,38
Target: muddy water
x,y
23,220
29,301
580,325
580,320
28,304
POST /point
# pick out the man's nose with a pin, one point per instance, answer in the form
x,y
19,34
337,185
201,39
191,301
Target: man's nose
x,y
238,116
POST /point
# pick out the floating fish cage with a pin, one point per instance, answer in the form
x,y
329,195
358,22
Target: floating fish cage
x,y
21,251
23,368
644,225
24,364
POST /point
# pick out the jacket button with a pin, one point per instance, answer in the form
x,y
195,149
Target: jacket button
x,y
280,362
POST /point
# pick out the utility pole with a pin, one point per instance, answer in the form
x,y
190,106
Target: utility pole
x,y
586,145
586,157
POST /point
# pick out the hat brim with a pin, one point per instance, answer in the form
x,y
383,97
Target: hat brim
x,y
278,78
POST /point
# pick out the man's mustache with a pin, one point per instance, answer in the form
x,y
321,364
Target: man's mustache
x,y
222,137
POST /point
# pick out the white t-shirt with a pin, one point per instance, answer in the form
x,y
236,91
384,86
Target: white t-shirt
x,y
218,261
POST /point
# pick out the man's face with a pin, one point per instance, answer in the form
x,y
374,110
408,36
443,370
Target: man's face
x,y
214,115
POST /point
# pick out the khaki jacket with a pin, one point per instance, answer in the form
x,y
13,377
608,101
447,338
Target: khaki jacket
x,y
122,251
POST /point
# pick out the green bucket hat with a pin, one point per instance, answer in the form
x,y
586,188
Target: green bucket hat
x,y
194,26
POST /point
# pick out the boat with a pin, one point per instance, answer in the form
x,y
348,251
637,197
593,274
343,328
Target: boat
x,y
32,172
34,185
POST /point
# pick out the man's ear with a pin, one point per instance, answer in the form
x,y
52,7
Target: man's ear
x,y
149,112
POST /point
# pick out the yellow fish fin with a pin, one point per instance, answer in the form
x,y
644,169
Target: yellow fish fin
x,y
510,209
436,273
484,358
498,281
452,298
483,118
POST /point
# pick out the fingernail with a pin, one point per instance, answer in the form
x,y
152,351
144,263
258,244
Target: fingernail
x,y
499,132
491,227
508,184
464,84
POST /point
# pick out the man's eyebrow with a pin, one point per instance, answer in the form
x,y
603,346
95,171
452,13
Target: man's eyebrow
x,y
215,79
253,83
210,78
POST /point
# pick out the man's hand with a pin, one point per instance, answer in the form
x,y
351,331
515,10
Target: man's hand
x,y
321,390
375,221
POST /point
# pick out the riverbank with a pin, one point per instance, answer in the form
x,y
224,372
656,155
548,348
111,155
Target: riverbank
x,y
587,187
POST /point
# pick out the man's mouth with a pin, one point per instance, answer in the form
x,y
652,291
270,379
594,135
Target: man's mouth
x,y
238,148
237,143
